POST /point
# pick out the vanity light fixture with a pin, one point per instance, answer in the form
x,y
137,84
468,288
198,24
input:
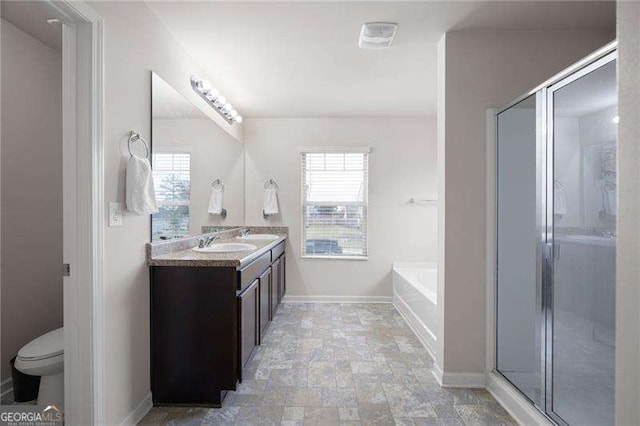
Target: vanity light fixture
x,y
215,99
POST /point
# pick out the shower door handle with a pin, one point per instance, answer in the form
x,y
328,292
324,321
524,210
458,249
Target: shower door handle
x,y
552,252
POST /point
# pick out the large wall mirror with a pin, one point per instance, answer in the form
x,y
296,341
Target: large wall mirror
x,y
198,168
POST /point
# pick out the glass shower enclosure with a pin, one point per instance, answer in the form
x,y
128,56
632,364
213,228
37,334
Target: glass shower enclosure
x,y
556,243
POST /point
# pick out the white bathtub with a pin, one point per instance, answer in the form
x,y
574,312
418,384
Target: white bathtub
x,y
415,296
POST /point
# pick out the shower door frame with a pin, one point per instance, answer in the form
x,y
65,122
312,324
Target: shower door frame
x,y
544,225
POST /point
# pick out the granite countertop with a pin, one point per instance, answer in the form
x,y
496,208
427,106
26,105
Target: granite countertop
x,y
181,256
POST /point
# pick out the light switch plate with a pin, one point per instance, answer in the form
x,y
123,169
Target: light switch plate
x,y
115,214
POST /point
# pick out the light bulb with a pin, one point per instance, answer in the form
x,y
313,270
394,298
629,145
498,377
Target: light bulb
x,y
220,101
205,86
616,119
213,94
237,119
232,113
226,108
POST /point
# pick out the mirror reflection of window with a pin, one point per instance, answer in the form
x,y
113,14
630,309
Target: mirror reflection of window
x,y
172,179
189,152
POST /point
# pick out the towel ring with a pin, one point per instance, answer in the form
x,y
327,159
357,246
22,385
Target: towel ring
x,y
218,183
135,137
270,182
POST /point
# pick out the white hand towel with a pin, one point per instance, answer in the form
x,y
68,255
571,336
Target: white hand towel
x,y
559,199
216,201
140,193
270,201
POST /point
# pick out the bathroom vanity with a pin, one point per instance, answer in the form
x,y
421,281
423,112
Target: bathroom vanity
x,y
209,312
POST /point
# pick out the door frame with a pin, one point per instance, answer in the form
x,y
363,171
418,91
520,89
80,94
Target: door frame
x,y
84,210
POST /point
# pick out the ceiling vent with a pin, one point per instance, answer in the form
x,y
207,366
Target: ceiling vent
x,y
377,35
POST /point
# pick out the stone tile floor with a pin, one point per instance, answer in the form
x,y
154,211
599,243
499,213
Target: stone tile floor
x,y
341,364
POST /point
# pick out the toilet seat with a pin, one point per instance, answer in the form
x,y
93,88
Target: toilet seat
x,y
41,367
44,357
47,346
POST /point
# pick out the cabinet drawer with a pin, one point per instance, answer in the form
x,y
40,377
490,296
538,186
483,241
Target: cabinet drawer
x,y
277,251
247,275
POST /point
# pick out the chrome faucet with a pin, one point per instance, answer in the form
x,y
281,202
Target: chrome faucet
x,y
206,242
244,232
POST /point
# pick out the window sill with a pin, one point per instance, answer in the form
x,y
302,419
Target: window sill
x,y
308,257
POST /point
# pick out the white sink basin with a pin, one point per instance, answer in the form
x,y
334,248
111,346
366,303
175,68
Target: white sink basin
x,y
259,237
225,248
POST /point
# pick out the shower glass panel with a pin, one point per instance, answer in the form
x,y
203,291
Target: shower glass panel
x,y
584,196
519,234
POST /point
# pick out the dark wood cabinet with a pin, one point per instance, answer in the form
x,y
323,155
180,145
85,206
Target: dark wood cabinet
x,y
265,301
278,282
248,307
206,322
249,273
282,280
275,270
194,334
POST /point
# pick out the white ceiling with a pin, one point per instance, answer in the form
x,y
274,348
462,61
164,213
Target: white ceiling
x,y
31,17
301,59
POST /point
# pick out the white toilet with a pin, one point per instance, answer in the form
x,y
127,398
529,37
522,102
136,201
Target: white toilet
x,y
44,357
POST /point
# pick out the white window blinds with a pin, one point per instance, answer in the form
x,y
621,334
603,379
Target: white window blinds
x,y
334,204
172,180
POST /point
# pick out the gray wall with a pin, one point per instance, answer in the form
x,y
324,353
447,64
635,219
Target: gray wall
x,y
31,168
136,43
481,70
402,165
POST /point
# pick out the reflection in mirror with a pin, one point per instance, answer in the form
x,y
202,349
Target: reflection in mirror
x,y
190,153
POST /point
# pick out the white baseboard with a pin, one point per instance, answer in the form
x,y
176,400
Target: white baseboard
x,y
336,299
458,380
514,403
422,332
428,340
437,373
134,417
463,380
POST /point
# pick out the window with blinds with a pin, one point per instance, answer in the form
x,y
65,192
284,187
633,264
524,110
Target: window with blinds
x,y
172,181
334,204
